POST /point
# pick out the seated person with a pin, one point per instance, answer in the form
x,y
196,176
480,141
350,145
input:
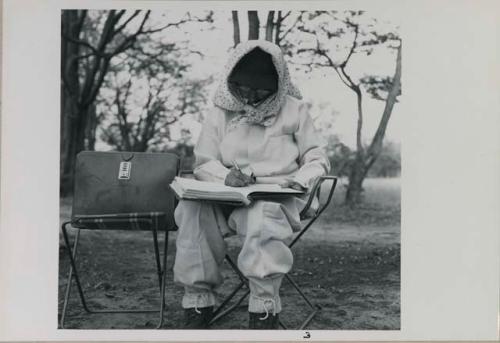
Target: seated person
x,y
259,124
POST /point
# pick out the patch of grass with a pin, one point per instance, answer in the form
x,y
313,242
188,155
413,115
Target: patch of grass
x,y
380,191
381,204
363,215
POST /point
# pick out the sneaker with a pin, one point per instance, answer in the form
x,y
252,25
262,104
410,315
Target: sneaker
x,y
263,321
197,318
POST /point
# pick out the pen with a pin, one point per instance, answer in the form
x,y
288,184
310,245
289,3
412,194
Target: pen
x,y
236,165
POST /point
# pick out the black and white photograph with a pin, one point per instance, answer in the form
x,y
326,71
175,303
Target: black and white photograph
x,y
229,170
250,171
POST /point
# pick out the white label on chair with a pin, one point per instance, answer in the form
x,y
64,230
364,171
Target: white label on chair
x,y
124,172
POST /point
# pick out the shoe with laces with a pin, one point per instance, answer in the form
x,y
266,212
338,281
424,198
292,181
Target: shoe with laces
x,y
197,318
263,321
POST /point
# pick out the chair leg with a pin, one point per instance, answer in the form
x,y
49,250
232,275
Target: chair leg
x,y
66,293
228,298
243,281
163,280
315,309
232,307
157,254
308,320
70,274
236,269
294,284
72,257
73,272
219,314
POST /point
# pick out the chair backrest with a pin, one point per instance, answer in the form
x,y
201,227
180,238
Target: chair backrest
x,y
108,183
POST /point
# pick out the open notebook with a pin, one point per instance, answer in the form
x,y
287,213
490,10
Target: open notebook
x,y
190,189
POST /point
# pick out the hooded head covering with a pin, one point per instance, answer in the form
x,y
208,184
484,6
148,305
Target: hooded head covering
x,y
256,70
253,60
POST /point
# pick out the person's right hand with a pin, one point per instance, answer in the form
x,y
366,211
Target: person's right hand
x,y
236,178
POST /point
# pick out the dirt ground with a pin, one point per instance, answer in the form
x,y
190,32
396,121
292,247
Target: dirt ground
x,y
348,262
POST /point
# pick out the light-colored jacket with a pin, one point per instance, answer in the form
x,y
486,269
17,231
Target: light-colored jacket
x,y
289,148
275,140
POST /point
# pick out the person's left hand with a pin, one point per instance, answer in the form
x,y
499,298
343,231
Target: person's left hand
x,y
289,183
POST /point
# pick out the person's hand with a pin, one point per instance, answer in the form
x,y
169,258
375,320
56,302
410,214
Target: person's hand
x,y
236,178
289,183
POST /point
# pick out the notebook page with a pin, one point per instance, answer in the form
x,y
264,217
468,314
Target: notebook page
x,y
214,187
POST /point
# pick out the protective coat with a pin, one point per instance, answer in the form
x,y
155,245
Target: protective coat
x,y
276,140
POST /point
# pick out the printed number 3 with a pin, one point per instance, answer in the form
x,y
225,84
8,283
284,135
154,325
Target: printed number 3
x,y
307,335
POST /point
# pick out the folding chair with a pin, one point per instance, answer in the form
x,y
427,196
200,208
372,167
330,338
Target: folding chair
x,y
122,191
315,192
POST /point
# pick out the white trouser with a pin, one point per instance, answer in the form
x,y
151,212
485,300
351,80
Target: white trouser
x,y
264,227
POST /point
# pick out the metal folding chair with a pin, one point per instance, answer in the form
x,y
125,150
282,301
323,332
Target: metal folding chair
x,y
117,209
315,192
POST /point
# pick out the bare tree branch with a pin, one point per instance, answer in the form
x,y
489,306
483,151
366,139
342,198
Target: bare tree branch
x,y
341,77
176,24
82,57
354,86
353,45
118,16
81,21
129,41
299,18
122,26
122,114
97,85
107,32
286,15
339,70
82,43
90,86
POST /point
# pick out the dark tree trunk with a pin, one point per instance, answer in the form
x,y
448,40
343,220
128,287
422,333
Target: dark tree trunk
x,y
277,28
72,123
236,28
253,25
364,161
80,91
359,128
270,26
74,143
357,172
355,187
90,132
376,144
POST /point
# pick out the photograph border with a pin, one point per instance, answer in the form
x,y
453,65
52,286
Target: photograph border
x,y
444,250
